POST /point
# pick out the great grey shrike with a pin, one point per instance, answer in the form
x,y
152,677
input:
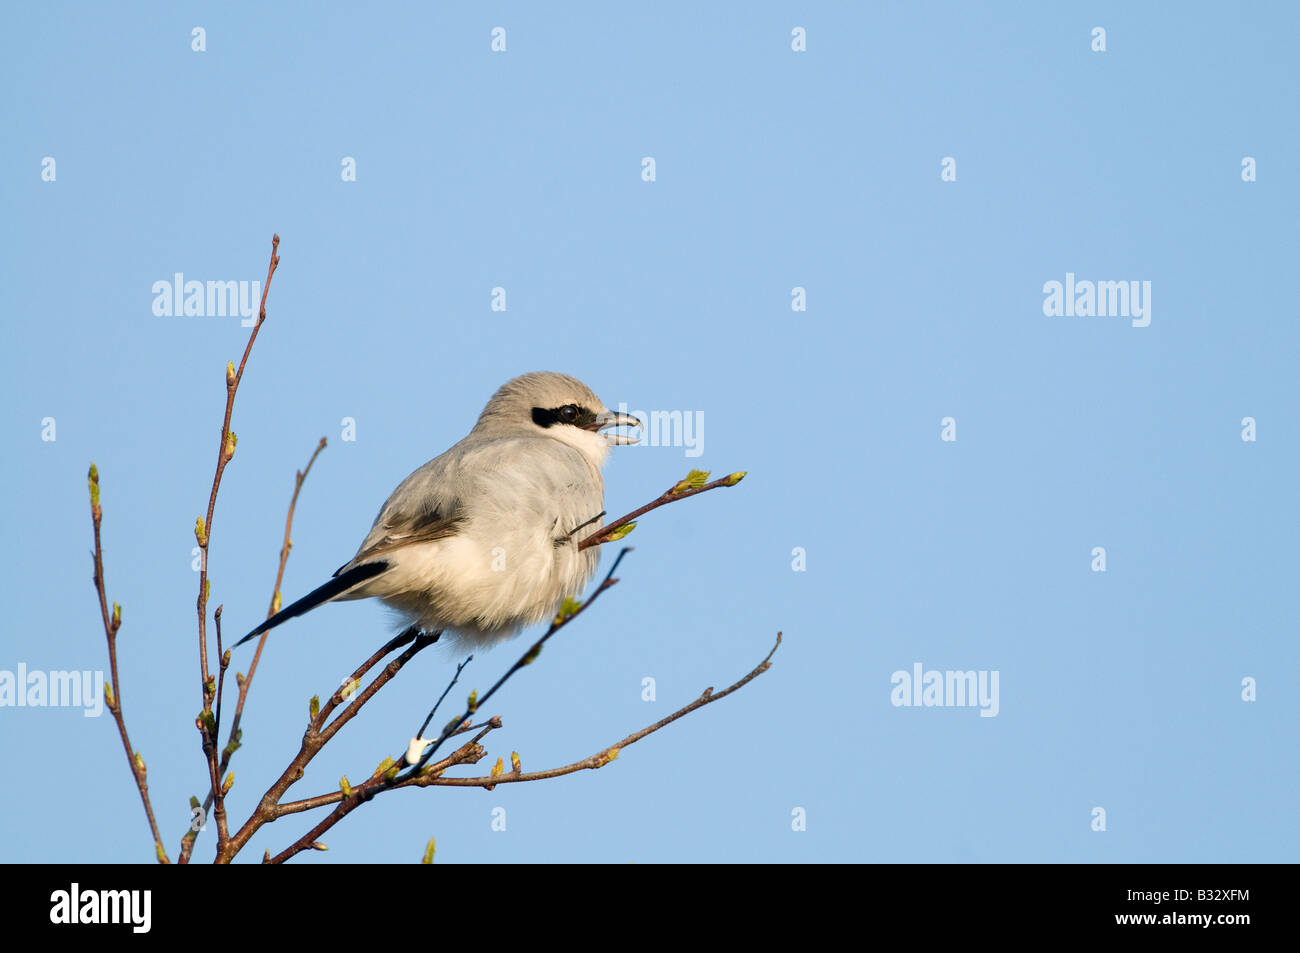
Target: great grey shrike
x,y
483,539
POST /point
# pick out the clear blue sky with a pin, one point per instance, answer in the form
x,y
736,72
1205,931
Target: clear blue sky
x,y
775,169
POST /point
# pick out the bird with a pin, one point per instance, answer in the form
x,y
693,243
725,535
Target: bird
x,y
482,540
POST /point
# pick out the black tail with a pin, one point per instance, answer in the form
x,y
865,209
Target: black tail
x,y
339,584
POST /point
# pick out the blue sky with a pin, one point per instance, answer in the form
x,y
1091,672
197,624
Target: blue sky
x,y
774,170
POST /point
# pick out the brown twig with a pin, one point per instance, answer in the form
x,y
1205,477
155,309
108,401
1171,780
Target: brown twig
x,y
246,681
468,753
218,791
472,752
600,758
681,491
383,780
113,622
318,734
225,451
208,725
560,621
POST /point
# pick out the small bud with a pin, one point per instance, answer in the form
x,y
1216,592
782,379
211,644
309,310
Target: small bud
x,y
514,761
383,766
313,707
160,853
347,690
117,616
227,784
230,373
233,744
266,858
201,531
568,609
225,659
345,787
275,602
428,852
319,846
239,679
93,478
108,694
231,440
694,480
622,531
498,769
210,686
139,763
194,802
473,701
531,657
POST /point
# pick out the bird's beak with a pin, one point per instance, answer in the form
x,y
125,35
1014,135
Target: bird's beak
x,y
610,418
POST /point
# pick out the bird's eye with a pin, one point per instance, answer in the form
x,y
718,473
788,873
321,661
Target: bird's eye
x,y
569,413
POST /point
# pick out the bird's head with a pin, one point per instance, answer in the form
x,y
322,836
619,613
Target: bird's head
x,y
557,406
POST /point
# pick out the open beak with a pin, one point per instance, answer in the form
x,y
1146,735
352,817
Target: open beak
x,y
609,418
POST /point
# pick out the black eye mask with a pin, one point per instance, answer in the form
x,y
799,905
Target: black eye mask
x,y
567,414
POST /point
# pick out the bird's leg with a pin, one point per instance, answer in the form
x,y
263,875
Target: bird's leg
x,y
561,540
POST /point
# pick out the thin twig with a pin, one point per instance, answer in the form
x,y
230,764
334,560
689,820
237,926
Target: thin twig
x,y
245,681
112,623
203,534
225,451
526,659
472,752
600,758
319,733
450,685
468,753
203,531
607,533
223,663
361,793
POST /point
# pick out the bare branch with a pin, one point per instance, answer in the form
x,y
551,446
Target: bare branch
x,y
113,622
319,733
225,452
209,725
601,758
527,658
441,698
472,752
363,792
245,681
610,533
